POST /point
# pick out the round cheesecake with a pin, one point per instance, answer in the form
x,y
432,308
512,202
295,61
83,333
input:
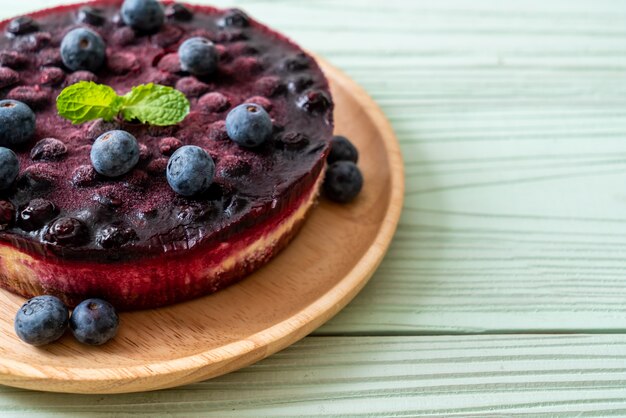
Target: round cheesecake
x,y
68,231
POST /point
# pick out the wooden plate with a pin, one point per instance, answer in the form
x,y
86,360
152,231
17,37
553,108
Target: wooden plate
x,y
327,264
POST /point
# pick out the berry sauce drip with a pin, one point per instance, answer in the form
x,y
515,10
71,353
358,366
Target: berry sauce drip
x,y
63,207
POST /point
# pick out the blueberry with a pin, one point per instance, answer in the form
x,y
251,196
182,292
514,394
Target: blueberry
x,y
198,56
36,213
114,153
115,236
48,149
7,214
143,15
9,168
179,12
83,49
190,170
17,123
67,231
315,101
249,125
94,322
343,181
41,320
341,149
91,16
234,18
22,25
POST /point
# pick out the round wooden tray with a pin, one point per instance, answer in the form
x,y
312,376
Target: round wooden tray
x,y
326,265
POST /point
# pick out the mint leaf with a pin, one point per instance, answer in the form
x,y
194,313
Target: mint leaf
x,y
148,103
155,105
86,100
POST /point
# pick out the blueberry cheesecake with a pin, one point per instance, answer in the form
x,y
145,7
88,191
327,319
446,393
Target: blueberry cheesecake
x,y
154,152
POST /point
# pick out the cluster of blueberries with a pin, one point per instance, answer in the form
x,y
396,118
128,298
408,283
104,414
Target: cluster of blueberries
x,y
343,180
44,319
190,169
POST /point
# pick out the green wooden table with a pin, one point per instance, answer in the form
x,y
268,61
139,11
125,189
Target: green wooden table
x,y
504,291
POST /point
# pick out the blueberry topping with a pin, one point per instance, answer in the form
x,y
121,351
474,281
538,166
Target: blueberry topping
x,y
9,168
33,42
314,101
179,12
299,84
84,176
83,49
143,15
343,181
91,16
51,76
192,87
94,322
7,214
8,77
115,236
36,213
194,212
22,25
214,102
190,170
35,178
168,145
293,141
108,196
80,76
114,153
41,320
32,96
48,149
234,18
67,231
238,168
296,63
341,149
269,86
198,56
13,59
249,125
17,123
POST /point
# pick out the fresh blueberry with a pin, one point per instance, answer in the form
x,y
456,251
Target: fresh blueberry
x,y
249,125
22,25
41,320
17,123
198,56
114,153
83,49
343,181
91,16
190,170
9,168
94,322
341,149
143,15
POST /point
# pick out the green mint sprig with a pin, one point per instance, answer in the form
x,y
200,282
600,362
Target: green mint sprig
x,y
148,103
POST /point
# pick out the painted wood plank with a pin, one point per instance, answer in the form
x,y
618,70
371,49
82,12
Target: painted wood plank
x,y
512,119
547,375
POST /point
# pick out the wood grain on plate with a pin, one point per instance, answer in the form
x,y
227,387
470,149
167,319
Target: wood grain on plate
x,y
330,260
